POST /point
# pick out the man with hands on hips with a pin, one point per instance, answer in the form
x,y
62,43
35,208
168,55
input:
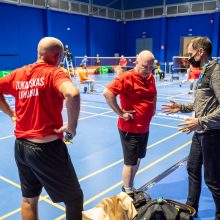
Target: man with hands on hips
x,y
41,156
137,92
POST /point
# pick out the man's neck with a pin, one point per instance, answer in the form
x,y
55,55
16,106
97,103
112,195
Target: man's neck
x,y
204,61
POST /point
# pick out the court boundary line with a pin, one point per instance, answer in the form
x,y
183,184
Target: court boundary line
x,y
121,182
92,174
104,114
41,198
176,99
168,118
152,123
109,166
105,191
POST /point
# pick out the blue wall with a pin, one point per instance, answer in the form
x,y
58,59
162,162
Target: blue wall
x,y
106,37
19,35
179,27
176,27
70,29
135,29
23,27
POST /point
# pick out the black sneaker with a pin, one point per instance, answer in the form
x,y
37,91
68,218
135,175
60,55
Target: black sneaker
x,y
130,193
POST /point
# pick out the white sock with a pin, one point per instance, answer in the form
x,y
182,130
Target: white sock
x,y
128,189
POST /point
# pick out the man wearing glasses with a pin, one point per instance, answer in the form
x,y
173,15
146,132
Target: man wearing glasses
x,y
137,92
205,147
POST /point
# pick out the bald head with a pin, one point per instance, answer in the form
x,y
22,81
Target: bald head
x,y
145,55
50,50
145,62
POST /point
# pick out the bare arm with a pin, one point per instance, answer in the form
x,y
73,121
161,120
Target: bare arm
x,y
112,102
72,97
7,109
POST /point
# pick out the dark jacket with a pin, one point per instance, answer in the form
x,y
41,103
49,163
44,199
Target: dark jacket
x,y
207,99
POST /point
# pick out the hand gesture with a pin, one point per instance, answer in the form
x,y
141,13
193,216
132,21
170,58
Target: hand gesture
x,y
191,124
171,108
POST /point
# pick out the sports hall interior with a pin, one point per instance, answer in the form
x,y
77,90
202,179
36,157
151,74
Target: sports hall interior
x,y
109,28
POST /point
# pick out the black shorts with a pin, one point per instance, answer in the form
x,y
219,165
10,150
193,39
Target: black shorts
x,y
46,165
134,146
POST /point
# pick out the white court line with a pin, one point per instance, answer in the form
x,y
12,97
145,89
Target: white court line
x,y
103,114
162,125
152,123
95,115
6,137
91,113
162,95
92,106
169,118
181,94
176,99
166,84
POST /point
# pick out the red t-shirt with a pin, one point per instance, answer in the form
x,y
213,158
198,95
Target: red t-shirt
x,y
123,62
136,93
38,103
195,72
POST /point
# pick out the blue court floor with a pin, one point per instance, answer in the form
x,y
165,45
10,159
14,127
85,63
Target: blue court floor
x,y
97,155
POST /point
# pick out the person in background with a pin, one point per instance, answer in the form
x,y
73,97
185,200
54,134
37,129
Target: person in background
x,y
157,71
123,62
84,60
192,76
137,92
205,148
41,155
61,66
84,79
97,60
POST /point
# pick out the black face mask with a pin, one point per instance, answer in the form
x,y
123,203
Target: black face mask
x,y
193,62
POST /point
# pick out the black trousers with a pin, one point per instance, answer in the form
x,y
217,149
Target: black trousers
x,y
205,150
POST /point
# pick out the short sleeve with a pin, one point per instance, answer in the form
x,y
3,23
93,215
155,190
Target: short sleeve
x,y
6,84
117,85
60,77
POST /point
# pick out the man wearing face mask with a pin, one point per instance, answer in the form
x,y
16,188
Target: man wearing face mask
x,y
205,147
137,92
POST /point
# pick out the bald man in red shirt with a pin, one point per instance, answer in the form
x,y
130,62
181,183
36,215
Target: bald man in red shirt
x,y
137,91
41,155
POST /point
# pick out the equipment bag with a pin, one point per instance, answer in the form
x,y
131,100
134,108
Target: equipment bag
x,y
160,209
